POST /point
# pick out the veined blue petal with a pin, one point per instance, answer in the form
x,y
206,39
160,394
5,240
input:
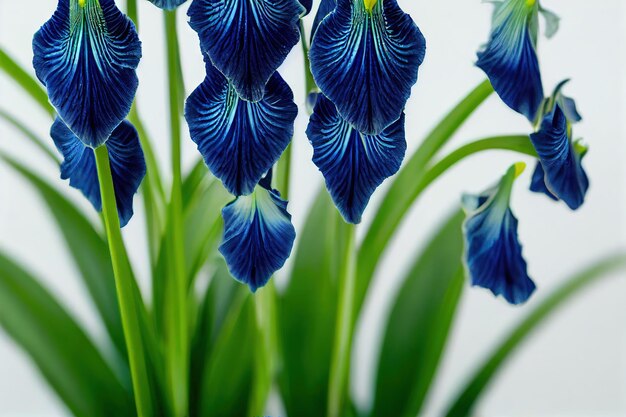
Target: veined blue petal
x,y
493,254
564,174
240,140
366,61
167,4
258,236
510,58
324,9
247,40
352,163
128,166
86,56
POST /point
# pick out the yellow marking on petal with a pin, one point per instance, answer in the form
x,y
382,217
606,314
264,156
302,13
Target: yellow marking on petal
x,y
530,3
82,3
369,4
519,168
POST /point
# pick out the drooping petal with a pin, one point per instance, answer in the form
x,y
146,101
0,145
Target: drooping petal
x,y
510,58
493,254
240,140
324,9
86,56
128,166
538,183
307,4
258,236
353,164
562,164
167,4
365,59
247,40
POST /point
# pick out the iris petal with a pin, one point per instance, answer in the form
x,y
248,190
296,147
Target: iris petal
x,y
510,59
352,163
86,56
167,4
538,183
247,40
240,140
564,174
79,165
323,10
258,236
493,254
366,61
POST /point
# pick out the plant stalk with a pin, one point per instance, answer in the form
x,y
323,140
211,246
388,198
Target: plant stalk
x,y
124,286
177,339
340,362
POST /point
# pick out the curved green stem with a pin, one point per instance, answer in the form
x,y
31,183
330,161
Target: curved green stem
x,y
516,143
176,297
309,81
124,286
403,190
131,11
340,362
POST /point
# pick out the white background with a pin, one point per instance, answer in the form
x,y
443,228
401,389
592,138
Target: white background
x,y
574,366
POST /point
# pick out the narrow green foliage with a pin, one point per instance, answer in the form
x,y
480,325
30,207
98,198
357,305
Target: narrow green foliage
x,y
63,353
419,324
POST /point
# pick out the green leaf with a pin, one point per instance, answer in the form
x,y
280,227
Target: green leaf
x,y
63,353
28,83
30,135
405,188
225,388
307,311
88,248
419,324
464,403
214,308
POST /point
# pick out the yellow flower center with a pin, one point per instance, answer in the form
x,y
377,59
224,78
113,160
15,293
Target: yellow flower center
x,y
81,3
369,4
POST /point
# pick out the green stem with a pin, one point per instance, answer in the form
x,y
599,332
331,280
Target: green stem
x,y
124,286
177,320
517,143
131,11
340,362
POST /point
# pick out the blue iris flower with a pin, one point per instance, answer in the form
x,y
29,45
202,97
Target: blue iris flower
x,y
86,56
258,235
323,10
353,164
128,166
559,173
510,57
240,140
167,4
493,254
247,40
365,57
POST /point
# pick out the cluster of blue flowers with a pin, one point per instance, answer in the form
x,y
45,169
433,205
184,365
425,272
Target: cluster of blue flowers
x,y
493,252
364,55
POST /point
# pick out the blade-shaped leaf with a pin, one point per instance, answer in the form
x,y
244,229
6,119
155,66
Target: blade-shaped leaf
x,y
63,353
88,248
419,323
215,307
28,83
307,311
464,403
226,384
30,135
